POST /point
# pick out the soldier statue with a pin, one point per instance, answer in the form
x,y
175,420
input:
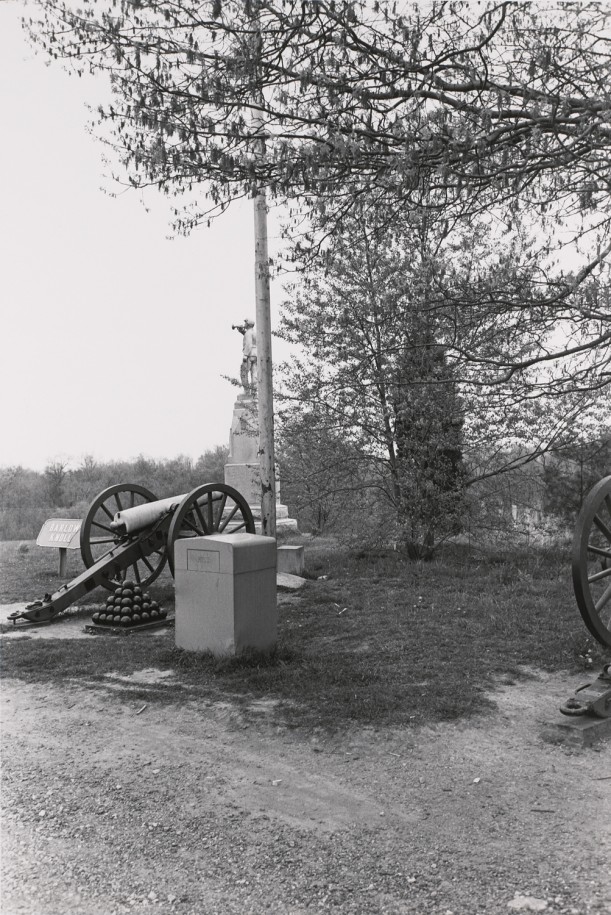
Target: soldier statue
x,y
248,369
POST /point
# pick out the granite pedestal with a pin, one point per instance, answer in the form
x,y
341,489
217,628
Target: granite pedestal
x,y
226,593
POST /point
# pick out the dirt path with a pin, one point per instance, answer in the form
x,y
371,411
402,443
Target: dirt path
x,y
111,807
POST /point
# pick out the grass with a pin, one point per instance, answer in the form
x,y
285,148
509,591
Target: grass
x,y
381,641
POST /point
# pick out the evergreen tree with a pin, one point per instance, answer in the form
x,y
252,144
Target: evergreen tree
x,y
375,373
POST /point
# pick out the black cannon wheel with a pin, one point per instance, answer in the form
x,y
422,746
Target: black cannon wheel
x,y
592,561
97,537
210,509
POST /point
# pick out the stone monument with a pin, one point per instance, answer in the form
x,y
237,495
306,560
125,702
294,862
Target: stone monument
x,y
243,470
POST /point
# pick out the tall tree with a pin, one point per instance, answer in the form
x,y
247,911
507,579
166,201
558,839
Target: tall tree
x,y
55,478
401,333
374,371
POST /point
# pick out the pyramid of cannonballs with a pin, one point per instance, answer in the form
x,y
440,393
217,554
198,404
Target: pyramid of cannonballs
x,y
129,606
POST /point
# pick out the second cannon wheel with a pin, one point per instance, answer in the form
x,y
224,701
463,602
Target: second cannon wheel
x,y
98,538
592,561
210,509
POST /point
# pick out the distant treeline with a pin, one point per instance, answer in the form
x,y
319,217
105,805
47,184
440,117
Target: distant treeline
x,y
319,495
28,498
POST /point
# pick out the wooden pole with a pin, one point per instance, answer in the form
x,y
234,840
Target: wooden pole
x,y
264,353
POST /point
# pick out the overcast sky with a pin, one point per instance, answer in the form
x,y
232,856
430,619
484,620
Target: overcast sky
x,y
114,337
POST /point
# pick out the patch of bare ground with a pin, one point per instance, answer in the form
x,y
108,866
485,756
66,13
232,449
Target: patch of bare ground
x,y
114,805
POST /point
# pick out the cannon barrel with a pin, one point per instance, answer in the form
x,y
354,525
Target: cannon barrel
x,y
140,517
130,520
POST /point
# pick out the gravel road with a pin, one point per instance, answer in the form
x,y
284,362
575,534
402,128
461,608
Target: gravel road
x,y
116,805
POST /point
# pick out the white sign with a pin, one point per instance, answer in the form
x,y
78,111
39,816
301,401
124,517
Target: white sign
x,y
60,532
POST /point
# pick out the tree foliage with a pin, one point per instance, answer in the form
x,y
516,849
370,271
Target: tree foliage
x,y
326,480
491,97
570,474
55,477
496,108
381,407
401,331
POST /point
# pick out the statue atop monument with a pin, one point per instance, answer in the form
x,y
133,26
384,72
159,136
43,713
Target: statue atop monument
x,y
248,369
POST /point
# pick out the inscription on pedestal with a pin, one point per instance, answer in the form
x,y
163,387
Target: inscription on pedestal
x,y
202,562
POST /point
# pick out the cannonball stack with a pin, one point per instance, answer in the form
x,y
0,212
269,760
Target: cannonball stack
x,y
129,606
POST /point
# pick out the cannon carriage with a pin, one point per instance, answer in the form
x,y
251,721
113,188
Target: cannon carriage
x,y
591,568
591,561
128,533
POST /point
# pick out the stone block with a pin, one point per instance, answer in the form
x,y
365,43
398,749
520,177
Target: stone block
x,y
246,478
243,470
226,593
286,582
291,559
581,731
244,434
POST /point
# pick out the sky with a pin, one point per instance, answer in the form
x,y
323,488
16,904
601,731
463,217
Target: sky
x,y
115,337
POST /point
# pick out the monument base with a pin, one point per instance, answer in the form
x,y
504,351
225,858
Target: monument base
x,y
244,434
243,470
284,526
246,478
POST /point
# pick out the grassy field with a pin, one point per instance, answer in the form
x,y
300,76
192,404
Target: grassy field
x,y
379,640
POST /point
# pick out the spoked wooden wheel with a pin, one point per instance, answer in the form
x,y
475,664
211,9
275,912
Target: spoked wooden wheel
x,y
98,538
211,509
592,561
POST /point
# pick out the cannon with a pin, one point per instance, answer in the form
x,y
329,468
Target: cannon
x,y
591,561
127,531
591,568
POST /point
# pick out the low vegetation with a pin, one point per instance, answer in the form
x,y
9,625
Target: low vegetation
x,y
66,489
372,638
